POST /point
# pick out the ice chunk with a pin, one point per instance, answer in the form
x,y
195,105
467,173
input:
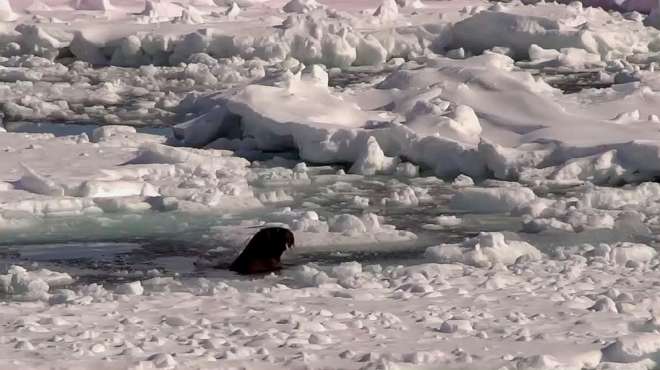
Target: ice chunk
x,y
492,200
456,326
537,53
407,169
618,198
402,197
545,362
338,51
38,6
61,296
415,4
85,48
156,153
370,52
7,14
31,285
133,288
602,169
604,304
102,5
233,11
622,253
107,189
154,171
347,224
302,6
371,222
279,176
157,10
372,160
35,183
347,270
310,222
537,225
53,278
189,15
106,132
316,74
50,206
484,30
204,129
462,122
448,221
162,360
387,12
275,196
303,116
243,3
483,251
310,276
633,348
36,41
463,180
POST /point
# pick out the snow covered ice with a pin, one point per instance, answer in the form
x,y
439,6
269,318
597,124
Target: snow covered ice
x,y
472,184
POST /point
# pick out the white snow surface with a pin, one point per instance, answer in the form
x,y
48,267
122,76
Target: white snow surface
x,y
471,184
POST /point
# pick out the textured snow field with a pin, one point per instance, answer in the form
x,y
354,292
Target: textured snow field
x,y
471,184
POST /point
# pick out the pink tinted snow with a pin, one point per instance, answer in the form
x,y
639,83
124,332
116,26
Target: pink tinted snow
x,y
642,6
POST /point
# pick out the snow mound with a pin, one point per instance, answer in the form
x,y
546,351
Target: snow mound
x,y
100,5
104,133
38,6
642,6
387,12
517,32
205,128
233,11
372,160
485,250
35,183
617,198
347,224
110,189
623,253
132,288
190,15
414,4
157,153
603,168
243,3
302,6
633,348
305,116
7,13
26,285
157,10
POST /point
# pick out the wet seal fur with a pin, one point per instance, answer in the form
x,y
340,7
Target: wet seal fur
x,y
263,252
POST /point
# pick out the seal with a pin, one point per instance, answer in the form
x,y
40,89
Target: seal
x,y
263,252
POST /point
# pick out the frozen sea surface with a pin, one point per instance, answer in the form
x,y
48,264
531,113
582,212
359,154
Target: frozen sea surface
x,y
471,184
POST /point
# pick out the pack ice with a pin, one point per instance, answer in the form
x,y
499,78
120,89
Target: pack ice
x,y
472,184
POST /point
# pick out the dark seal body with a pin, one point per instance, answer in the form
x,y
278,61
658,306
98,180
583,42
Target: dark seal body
x,y
263,252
